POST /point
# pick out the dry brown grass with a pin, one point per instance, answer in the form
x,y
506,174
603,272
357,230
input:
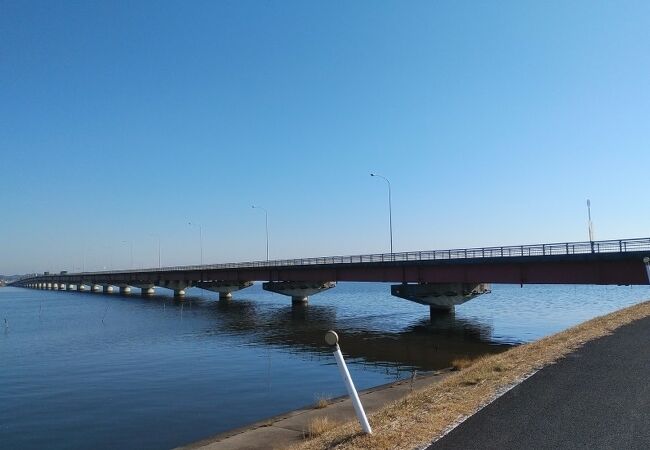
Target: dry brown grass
x,y
462,363
425,414
319,425
321,402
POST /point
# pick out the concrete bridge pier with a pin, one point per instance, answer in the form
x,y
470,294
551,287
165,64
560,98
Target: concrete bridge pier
x,y
107,288
146,290
224,288
125,289
81,287
299,291
178,286
441,297
95,287
55,286
63,286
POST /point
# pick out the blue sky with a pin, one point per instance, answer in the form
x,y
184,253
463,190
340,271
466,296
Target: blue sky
x,y
494,122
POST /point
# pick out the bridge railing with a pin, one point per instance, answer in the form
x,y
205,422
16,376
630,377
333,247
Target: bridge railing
x,y
566,248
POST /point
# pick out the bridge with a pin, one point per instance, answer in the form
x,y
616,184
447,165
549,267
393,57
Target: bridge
x,y
440,279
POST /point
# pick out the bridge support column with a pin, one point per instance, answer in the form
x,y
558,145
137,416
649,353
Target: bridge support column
x,y
646,261
63,286
224,288
125,289
299,291
178,286
95,288
441,297
107,288
81,287
146,290
55,286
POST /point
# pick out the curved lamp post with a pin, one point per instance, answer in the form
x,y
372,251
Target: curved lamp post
x,y
591,225
266,216
157,237
390,209
200,237
130,244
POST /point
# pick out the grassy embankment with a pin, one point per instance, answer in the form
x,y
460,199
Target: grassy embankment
x,y
425,415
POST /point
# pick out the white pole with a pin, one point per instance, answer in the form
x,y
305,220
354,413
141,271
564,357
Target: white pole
x,y
390,211
332,339
591,226
646,260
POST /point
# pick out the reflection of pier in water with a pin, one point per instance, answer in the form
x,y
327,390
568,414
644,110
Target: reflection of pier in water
x,y
425,345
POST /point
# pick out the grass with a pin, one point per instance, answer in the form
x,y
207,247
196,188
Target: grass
x,y
462,363
426,414
319,425
321,401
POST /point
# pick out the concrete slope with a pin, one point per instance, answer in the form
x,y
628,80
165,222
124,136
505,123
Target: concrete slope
x,y
596,398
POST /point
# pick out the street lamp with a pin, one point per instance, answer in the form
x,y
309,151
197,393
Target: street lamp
x,y
390,209
266,214
157,237
200,237
591,225
130,243
107,250
83,258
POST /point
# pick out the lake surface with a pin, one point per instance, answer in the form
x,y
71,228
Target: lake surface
x,y
82,370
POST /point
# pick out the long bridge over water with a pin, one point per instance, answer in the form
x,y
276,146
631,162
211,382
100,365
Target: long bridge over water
x,y
438,278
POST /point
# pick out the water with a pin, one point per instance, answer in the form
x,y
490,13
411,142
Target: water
x,y
81,370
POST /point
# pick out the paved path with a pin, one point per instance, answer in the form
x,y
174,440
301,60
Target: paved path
x,y
596,398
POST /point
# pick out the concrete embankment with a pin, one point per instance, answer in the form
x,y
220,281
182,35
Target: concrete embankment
x,y
424,416
291,428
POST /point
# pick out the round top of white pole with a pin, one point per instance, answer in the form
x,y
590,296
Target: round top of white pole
x,y
331,338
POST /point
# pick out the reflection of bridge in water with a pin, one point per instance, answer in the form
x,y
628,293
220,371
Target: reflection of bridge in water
x,y
299,328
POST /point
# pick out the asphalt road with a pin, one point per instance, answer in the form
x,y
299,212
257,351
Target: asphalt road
x,y
596,398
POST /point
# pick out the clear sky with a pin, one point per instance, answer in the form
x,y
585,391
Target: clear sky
x,y
494,121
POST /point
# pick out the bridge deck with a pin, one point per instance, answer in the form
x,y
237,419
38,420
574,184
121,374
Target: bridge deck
x,y
598,262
